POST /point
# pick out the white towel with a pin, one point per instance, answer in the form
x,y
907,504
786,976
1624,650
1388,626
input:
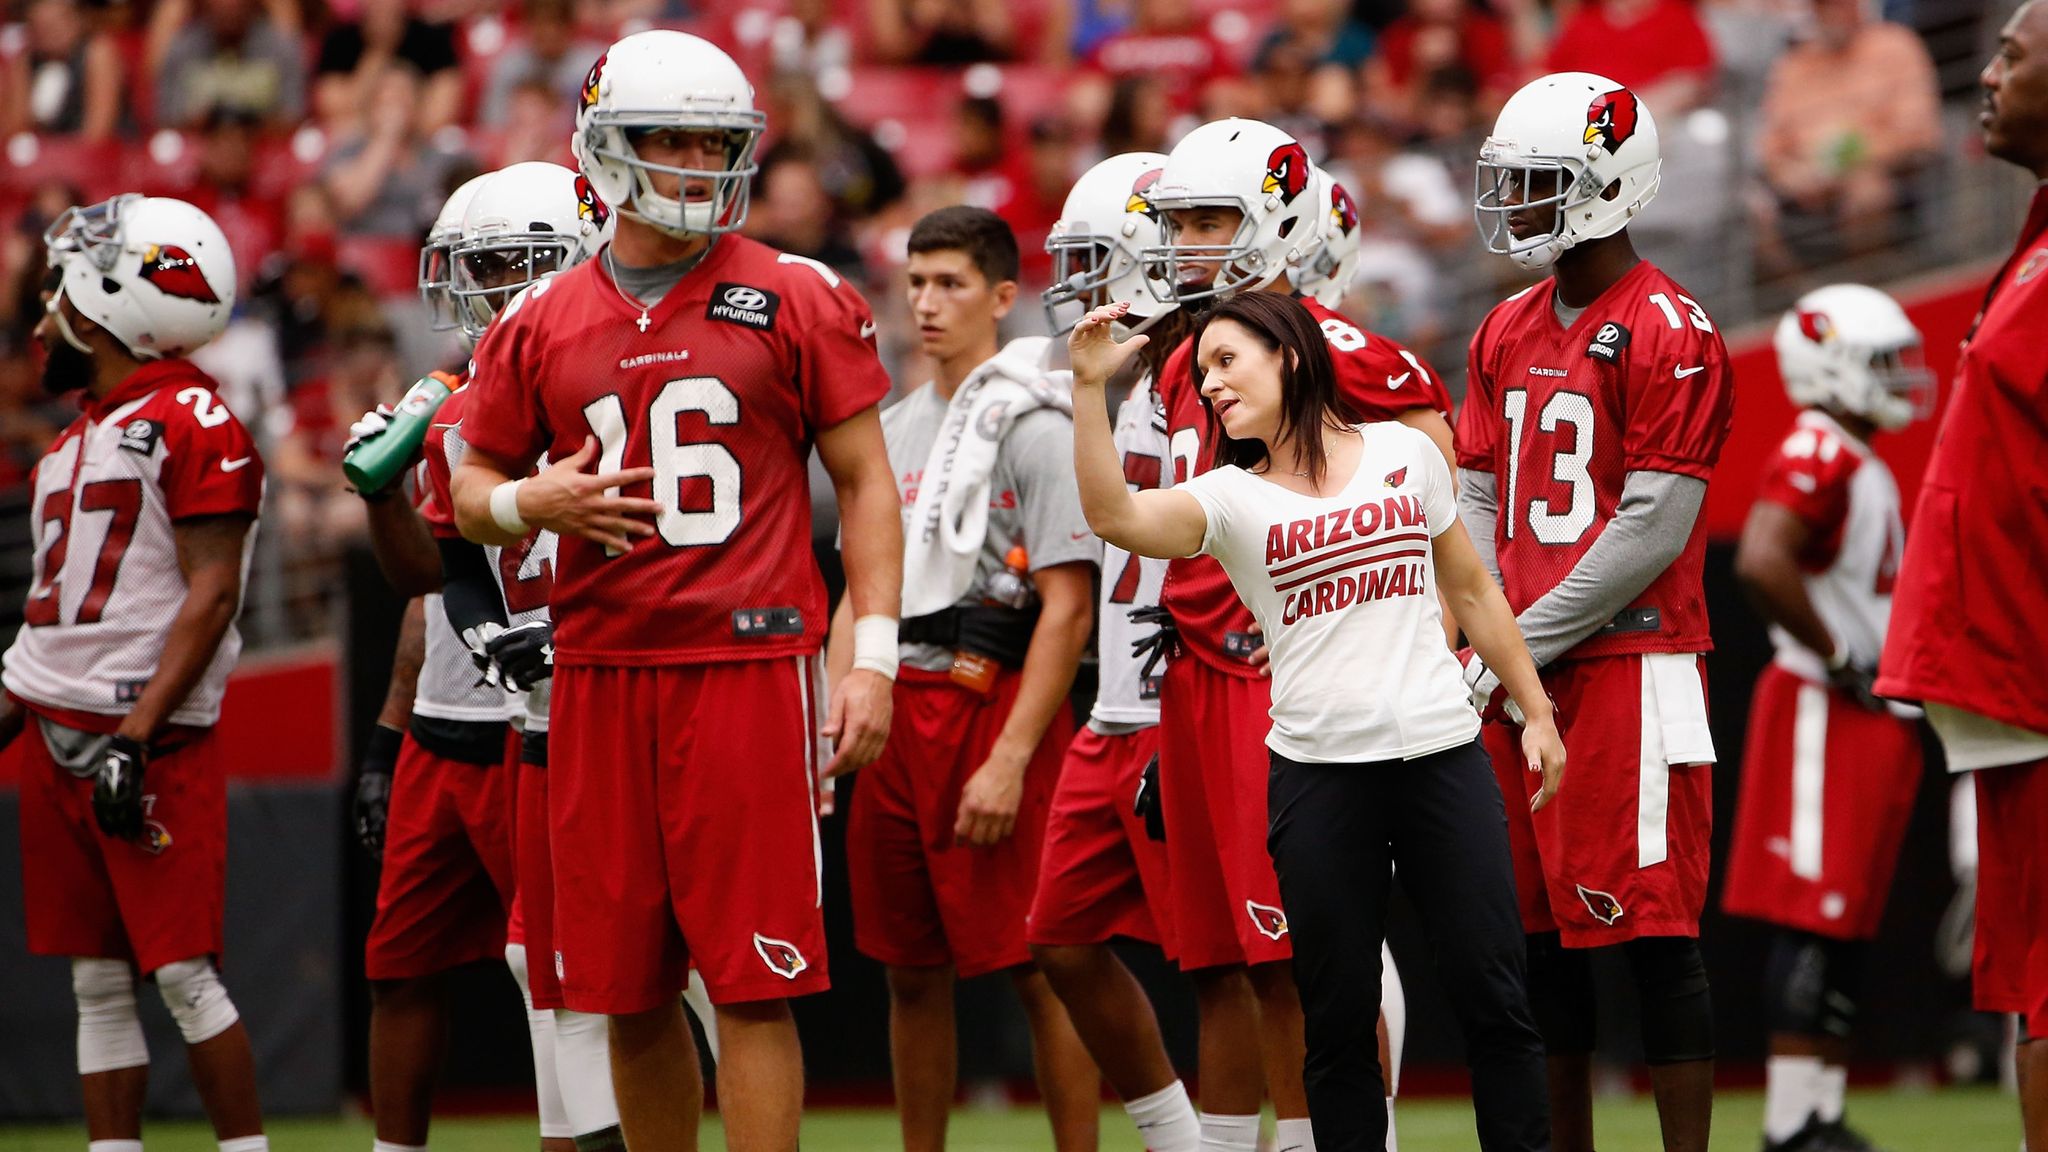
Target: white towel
x,y
943,538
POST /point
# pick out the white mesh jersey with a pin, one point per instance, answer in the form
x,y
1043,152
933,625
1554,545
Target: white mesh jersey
x,y
160,449
1131,582
1850,504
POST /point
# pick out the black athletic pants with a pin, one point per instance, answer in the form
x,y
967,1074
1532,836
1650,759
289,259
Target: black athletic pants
x,y
1337,832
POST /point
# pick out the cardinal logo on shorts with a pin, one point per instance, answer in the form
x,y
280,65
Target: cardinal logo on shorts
x,y
1271,922
780,956
155,837
1604,907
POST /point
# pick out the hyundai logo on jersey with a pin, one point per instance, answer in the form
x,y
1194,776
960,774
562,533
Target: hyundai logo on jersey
x,y
1608,343
744,305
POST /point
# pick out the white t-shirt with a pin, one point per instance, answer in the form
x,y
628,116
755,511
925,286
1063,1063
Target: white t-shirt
x,y
1345,590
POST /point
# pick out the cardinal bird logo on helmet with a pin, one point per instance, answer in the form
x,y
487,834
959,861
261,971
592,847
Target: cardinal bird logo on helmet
x,y
1611,119
590,80
1138,202
1270,921
781,956
589,205
176,273
1816,326
1286,172
1343,210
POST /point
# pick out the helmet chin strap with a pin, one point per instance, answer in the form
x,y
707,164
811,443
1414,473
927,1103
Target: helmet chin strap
x,y
56,310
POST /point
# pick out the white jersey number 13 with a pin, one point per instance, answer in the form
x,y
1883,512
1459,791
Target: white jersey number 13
x,y
1550,523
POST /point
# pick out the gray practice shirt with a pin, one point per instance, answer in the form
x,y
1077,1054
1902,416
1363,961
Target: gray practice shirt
x,y
1033,498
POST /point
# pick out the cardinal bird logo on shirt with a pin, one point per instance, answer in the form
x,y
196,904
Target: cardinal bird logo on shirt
x,y
1286,172
589,205
1138,202
780,956
1816,326
1604,907
590,80
1611,119
1271,922
1397,477
176,273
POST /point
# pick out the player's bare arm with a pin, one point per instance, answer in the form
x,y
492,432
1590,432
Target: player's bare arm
x,y
405,666
562,498
871,528
1066,616
1767,565
403,545
1490,624
1159,522
210,556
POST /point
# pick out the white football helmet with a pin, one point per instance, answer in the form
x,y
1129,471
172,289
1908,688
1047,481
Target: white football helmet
x,y
1564,140
525,223
1329,270
155,272
1255,168
666,79
436,273
1852,348
1097,243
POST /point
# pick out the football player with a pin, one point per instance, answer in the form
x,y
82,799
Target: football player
x,y
144,513
696,369
1596,404
1243,210
1829,772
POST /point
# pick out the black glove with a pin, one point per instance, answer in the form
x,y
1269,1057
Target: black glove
x,y
519,657
1157,646
1855,678
1146,804
373,788
117,788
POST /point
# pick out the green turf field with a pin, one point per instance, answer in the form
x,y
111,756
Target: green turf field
x,y
1961,1120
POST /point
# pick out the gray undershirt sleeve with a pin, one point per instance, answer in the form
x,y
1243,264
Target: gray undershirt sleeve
x,y
1649,530
1479,508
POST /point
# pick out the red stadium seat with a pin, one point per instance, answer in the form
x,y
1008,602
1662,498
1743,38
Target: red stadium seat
x,y
284,163
388,265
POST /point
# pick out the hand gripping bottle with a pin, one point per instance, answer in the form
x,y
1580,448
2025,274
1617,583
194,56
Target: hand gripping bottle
x,y
376,462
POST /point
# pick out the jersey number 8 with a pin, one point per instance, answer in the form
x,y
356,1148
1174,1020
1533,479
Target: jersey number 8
x,y
675,461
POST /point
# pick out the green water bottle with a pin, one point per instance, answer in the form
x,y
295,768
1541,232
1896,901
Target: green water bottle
x,y
377,462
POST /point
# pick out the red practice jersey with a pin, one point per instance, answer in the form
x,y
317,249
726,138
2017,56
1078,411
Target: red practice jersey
x,y
525,571
741,365
160,448
1377,377
1560,416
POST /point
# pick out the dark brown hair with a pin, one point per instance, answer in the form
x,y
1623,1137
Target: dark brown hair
x,y
1308,379
980,233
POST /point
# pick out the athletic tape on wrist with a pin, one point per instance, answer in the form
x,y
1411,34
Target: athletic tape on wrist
x,y
874,644
505,508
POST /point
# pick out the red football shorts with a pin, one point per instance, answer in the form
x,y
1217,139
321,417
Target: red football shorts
x,y
152,901
1827,789
1213,766
1624,845
683,799
919,898
1100,875
535,868
2010,973
445,888
1503,744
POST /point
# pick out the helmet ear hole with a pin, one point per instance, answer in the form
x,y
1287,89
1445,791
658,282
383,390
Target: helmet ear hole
x,y
109,285
1612,190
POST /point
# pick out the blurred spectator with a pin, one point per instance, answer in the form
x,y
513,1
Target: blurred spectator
x,y
1657,47
67,79
316,514
1138,119
385,177
1322,31
810,39
234,54
549,52
1169,41
1286,75
1849,114
387,34
22,263
1027,188
1448,115
1413,215
940,31
792,211
859,174
1432,35
224,188
538,123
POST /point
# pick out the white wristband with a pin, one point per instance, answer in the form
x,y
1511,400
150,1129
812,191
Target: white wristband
x,y
505,508
874,644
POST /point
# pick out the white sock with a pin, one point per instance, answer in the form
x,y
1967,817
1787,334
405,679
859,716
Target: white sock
x,y
1394,1010
114,1146
1166,1120
1229,1133
1393,1145
257,1143
1293,1136
388,1146
1831,1086
1791,1094
583,1065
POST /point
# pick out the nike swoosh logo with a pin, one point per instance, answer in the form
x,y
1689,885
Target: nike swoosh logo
x,y
1079,535
1394,382
1682,373
235,465
867,329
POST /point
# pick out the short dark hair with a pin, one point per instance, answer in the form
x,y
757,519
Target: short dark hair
x,y
1308,378
980,233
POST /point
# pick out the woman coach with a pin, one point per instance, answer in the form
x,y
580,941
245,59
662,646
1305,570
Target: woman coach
x,y
1337,535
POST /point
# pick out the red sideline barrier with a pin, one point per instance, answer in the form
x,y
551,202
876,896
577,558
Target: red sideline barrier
x,y
1942,308
278,722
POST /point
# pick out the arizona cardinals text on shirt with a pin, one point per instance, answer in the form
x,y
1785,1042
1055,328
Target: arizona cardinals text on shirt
x,y
1372,551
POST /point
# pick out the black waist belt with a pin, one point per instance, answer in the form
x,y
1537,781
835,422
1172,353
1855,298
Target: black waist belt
x,y
1001,634
533,748
480,742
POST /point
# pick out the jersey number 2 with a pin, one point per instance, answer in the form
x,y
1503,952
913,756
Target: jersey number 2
x,y
674,460
122,501
1551,524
